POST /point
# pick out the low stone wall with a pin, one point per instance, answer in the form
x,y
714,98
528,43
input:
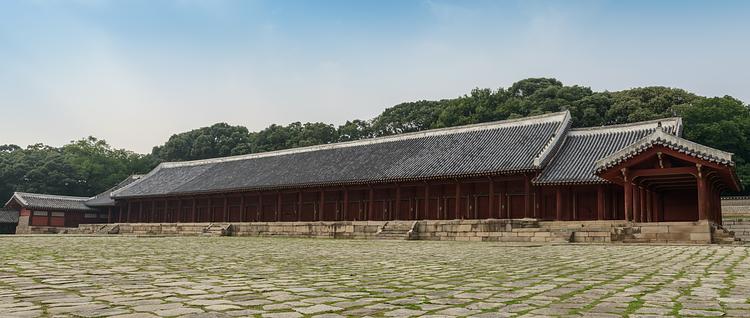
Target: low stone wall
x,y
736,207
350,230
667,232
491,230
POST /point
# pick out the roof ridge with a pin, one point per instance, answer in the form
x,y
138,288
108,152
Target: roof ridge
x,y
677,121
52,196
403,136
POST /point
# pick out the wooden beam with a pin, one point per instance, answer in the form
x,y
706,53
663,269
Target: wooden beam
x,y
637,173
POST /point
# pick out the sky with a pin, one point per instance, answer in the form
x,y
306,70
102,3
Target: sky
x,y
135,72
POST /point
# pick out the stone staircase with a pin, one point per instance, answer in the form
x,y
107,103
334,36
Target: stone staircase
x,y
218,229
108,229
396,230
582,231
740,227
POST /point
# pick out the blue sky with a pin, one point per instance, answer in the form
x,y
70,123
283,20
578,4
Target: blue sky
x,y
135,72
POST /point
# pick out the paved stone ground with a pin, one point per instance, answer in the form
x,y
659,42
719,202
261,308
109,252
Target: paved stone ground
x,y
221,277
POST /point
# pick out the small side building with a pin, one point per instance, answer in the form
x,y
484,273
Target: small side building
x,y
45,213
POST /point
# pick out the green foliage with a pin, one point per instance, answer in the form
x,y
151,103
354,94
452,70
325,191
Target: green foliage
x,y
84,168
89,166
219,140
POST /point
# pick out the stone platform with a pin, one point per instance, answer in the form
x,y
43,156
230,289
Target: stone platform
x,y
492,230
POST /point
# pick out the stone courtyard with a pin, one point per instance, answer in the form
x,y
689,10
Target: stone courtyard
x,y
66,276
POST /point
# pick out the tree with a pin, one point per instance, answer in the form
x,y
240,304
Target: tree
x,y
218,140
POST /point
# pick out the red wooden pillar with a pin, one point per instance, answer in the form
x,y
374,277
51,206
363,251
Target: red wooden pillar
x,y
426,203
502,202
278,206
346,205
152,216
164,217
242,208
398,203
636,204
109,215
491,198
527,193
179,211
259,213
225,213
642,198
194,211
649,205
458,214
370,204
210,209
702,194
140,212
558,204
299,205
719,215
628,196
601,203
322,214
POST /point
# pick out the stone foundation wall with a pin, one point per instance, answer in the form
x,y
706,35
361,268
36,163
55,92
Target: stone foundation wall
x,y
667,232
516,230
492,230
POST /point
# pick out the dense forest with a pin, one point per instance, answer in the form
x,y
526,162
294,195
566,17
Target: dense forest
x,y
89,166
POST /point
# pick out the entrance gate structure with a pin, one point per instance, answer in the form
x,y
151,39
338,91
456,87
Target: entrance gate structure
x,y
667,178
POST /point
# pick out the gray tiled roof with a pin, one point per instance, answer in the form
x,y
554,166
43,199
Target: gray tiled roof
x,y
8,216
660,137
103,199
499,147
36,201
575,162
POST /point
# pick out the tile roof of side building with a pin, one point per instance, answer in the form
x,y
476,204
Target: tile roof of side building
x,y
36,201
508,146
104,200
8,216
575,162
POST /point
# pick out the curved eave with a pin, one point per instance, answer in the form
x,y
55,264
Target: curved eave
x,y
660,138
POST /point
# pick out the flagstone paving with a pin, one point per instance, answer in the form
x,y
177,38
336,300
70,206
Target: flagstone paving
x,y
128,277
